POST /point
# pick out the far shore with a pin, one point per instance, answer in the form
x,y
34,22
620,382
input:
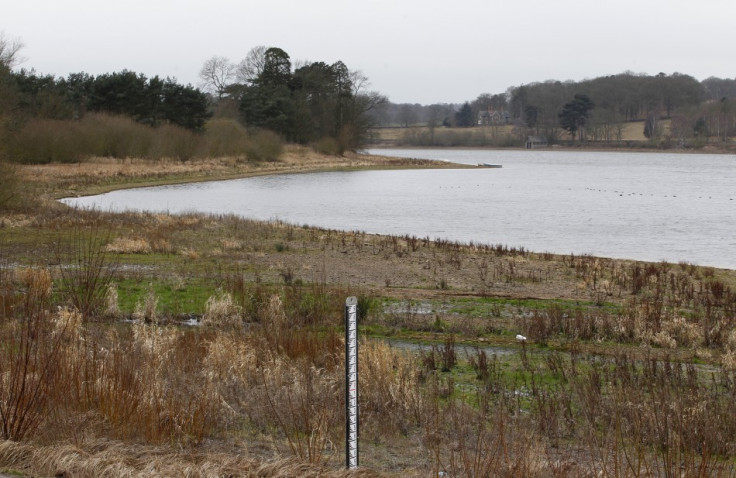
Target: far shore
x,y
715,148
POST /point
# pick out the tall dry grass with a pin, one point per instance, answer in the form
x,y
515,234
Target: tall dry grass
x,y
282,379
67,379
29,349
662,305
268,367
106,458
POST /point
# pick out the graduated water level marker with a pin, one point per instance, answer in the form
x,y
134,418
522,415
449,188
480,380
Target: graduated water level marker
x,y
351,383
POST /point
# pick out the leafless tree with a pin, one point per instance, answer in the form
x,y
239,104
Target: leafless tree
x,y
359,81
251,67
368,100
217,74
9,48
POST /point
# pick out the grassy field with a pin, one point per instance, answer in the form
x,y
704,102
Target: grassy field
x,y
501,135
158,345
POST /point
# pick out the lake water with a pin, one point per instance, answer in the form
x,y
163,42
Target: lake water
x,y
646,206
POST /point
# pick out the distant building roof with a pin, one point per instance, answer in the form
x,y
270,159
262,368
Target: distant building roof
x,y
536,142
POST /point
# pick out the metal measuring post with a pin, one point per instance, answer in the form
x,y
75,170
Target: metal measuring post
x,y
351,383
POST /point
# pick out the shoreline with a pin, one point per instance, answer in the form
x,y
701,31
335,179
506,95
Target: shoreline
x,y
136,173
101,175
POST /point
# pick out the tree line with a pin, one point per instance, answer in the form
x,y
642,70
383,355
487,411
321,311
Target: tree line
x,y
152,101
304,103
307,103
26,94
700,109
317,102
120,115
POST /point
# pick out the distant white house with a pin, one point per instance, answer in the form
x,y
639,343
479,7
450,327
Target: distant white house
x,y
491,117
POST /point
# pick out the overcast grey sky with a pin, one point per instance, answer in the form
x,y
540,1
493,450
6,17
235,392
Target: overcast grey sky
x,y
414,51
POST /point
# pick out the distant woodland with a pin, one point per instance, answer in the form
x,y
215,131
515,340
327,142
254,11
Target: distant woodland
x,y
694,110
249,108
126,114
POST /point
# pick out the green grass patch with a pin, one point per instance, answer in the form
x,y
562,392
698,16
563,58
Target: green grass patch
x,y
175,297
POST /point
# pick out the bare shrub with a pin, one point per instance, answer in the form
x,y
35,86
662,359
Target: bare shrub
x,y
102,135
224,137
29,349
48,140
45,141
462,440
171,141
85,270
13,194
144,386
327,145
274,391
264,145
480,447
300,402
